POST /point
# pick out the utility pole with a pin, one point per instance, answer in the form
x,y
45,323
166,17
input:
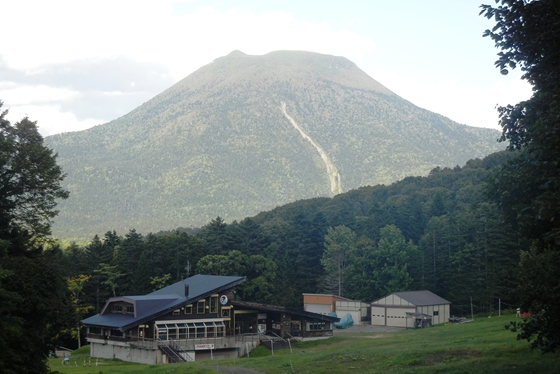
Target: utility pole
x,y
499,307
472,314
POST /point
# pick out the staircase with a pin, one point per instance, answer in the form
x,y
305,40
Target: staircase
x,y
173,351
274,342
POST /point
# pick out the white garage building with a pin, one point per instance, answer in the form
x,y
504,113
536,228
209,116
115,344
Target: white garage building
x,y
357,309
325,304
391,310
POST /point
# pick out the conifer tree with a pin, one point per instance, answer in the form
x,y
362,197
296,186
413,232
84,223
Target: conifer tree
x,y
35,300
528,188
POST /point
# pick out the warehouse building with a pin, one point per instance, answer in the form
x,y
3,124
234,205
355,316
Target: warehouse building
x,y
392,309
326,304
357,309
320,303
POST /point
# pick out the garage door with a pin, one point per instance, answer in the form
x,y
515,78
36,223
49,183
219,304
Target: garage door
x,y
378,316
318,308
397,316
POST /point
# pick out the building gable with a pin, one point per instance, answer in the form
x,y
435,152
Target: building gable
x,y
125,312
411,298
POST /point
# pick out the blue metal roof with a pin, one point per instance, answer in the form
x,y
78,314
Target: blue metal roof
x,y
198,284
162,301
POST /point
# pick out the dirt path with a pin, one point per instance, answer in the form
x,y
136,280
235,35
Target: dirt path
x,y
233,370
332,172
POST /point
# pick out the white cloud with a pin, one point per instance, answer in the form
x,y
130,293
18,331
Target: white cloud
x,y
143,32
20,94
200,37
50,119
42,104
67,31
458,99
149,31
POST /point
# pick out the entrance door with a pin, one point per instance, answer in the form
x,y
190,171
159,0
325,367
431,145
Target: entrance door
x,y
296,328
246,323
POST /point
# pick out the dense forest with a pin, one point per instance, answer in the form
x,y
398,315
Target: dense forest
x,y
438,232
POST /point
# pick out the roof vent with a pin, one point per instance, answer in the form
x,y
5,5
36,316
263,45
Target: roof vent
x,y
186,290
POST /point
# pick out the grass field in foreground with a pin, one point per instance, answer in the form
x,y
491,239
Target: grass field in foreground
x,y
482,346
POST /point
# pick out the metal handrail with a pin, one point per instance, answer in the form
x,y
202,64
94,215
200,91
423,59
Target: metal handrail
x,y
179,349
177,358
279,336
261,336
173,344
291,337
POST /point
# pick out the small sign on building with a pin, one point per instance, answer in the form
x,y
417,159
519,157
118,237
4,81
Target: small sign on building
x,y
199,347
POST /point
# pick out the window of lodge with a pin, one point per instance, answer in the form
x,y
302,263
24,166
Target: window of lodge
x,y
190,330
172,331
312,326
162,332
200,307
115,332
200,327
214,304
226,312
182,332
210,331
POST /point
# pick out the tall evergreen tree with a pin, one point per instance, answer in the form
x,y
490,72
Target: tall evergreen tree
x,y
32,281
216,236
30,180
339,242
96,253
528,188
360,283
392,261
126,259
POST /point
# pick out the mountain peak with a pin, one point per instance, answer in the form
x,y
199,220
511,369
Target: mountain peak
x,y
282,66
245,134
236,53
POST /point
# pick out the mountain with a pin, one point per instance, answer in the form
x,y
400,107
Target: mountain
x,y
244,134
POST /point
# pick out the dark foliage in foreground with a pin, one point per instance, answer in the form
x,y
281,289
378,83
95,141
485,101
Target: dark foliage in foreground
x,y
527,189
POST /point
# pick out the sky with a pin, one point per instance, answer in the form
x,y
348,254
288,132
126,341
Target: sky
x,y
74,64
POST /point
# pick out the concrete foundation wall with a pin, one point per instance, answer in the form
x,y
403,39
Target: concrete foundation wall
x,y
152,355
125,353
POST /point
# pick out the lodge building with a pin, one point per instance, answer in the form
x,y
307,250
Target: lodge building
x,y
195,319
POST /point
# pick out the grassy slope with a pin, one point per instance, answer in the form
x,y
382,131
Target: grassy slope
x,y
483,346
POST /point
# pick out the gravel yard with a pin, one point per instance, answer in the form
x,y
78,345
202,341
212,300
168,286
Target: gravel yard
x,y
367,329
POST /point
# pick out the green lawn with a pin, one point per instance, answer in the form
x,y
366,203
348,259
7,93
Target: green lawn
x,y
482,346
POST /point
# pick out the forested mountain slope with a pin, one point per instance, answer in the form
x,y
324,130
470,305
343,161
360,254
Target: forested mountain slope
x,y
437,232
244,134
